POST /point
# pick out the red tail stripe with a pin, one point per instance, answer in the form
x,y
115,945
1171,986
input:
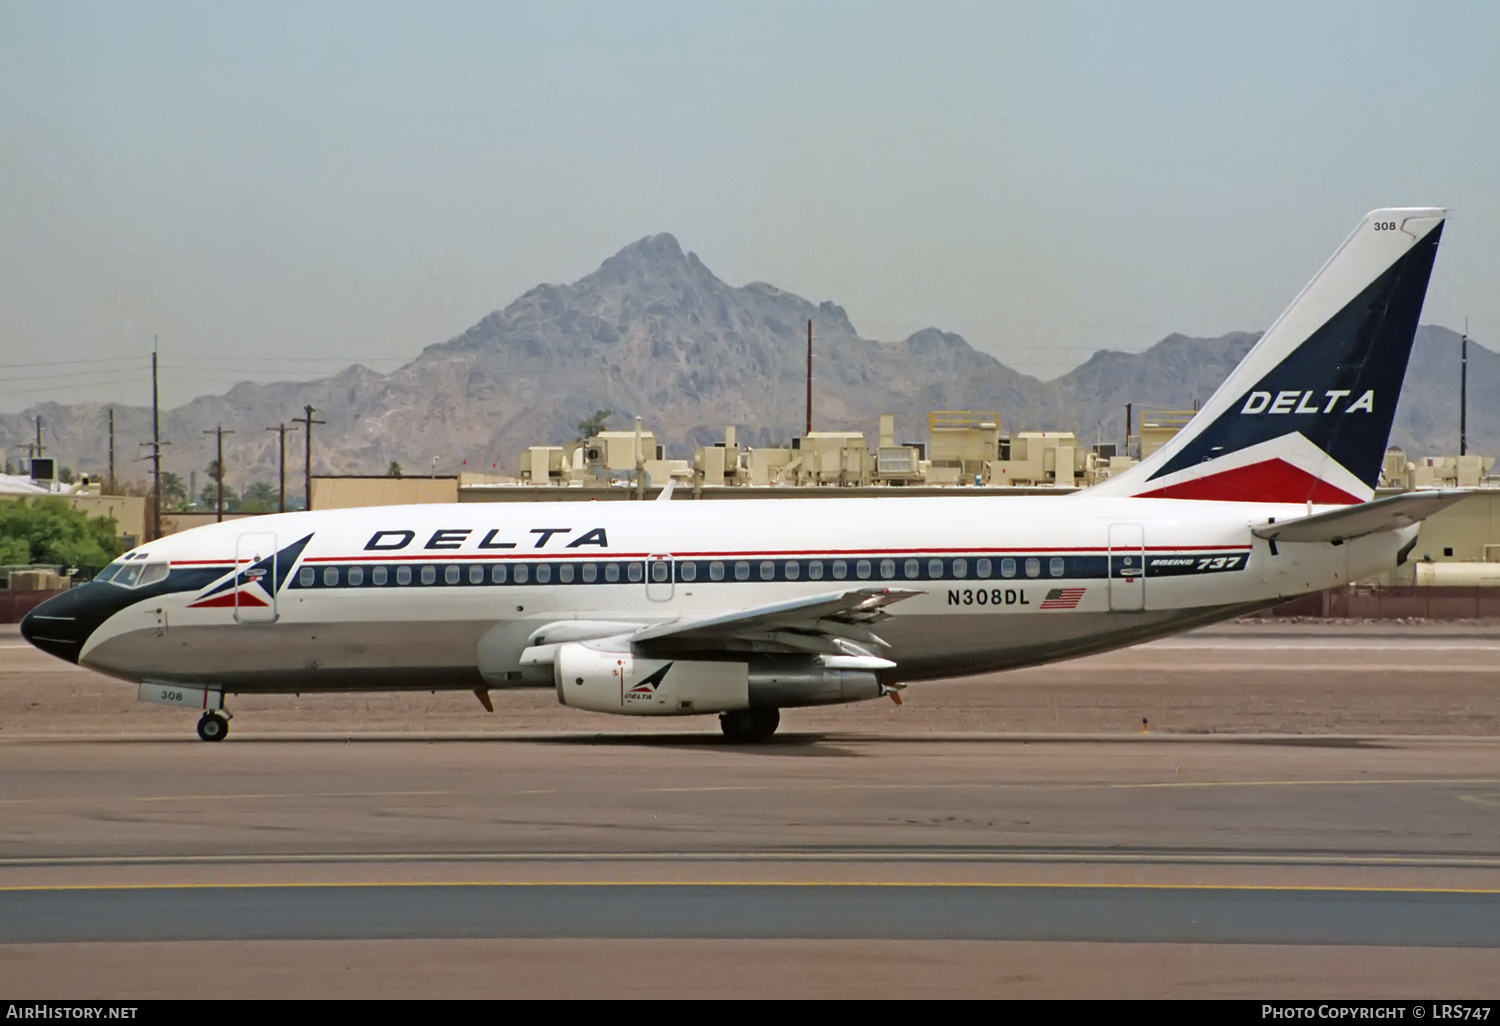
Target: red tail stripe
x,y
1269,481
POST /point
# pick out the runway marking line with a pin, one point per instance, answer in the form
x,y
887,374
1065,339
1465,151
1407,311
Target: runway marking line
x,y
859,858
848,884
1067,786
230,797
800,785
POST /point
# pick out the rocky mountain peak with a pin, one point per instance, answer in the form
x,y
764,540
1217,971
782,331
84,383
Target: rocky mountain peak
x,y
653,332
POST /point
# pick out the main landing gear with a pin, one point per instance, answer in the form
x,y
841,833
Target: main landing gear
x,y
214,726
746,726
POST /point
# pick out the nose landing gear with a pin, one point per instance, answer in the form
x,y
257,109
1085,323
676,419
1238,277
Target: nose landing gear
x,y
213,726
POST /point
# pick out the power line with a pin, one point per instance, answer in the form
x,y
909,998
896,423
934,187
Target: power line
x,y
72,363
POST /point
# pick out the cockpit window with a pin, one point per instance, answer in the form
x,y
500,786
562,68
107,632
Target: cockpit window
x,y
134,575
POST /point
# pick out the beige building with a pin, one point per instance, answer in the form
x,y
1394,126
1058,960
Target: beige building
x,y
351,491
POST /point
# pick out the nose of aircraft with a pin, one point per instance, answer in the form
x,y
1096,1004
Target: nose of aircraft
x,y
59,626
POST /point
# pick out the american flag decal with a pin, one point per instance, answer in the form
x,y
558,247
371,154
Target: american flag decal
x,y
1063,598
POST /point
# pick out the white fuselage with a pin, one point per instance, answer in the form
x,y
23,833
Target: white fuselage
x,y
446,596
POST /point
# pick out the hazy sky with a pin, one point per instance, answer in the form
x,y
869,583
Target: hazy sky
x,y
281,189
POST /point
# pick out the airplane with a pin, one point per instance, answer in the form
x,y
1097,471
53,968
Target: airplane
x,y
742,609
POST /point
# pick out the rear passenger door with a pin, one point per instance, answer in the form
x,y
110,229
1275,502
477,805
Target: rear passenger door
x,y
659,577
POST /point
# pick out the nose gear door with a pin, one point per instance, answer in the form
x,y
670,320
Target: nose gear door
x,y
255,571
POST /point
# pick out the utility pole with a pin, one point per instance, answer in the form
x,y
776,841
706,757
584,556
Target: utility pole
x,y
809,376
1128,412
38,434
281,462
155,448
219,433
306,420
112,489
640,464
1463,393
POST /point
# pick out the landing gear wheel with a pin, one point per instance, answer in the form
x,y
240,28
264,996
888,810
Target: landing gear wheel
x,y
213,727
744,726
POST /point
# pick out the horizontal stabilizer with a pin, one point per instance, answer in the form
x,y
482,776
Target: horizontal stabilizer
x,y
1340,525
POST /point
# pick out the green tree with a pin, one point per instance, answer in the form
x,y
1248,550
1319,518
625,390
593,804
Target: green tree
x,y
259,498
65,475
173,492
210,498
591,426
50,530
394,470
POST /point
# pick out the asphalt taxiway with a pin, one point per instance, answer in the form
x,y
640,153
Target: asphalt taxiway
x,y
857,853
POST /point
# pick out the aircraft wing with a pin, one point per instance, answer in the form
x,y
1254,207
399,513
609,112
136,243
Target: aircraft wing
x,y
1340,525
833,622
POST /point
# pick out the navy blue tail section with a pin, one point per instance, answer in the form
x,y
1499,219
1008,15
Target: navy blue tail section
x,y
1339,388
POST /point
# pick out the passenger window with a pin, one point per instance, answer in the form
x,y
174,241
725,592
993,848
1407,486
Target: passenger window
x,y
543,573
151,573
862,569
935,569
306,577
590,573
476,574
356,576
687,571
403,575
960,568
377,575
840,569
1055,567
913,569
633,571
981,568
815,570
767,570
451,574
497,573
611,572
565,573
521,573
1033,567
887,568
661,571
716,571
330,577
429,574
1007,567
793,571
742,571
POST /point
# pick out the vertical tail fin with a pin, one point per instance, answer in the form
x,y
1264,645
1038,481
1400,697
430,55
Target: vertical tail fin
x,y
1307,414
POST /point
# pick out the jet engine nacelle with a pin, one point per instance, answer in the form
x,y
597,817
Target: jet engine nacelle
x,y
619,682
595,678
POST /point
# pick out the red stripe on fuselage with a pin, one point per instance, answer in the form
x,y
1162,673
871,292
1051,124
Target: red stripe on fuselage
x,y
1270,481
563,555
228,599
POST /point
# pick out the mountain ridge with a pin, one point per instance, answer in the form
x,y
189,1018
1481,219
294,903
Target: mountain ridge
x,y
652,331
